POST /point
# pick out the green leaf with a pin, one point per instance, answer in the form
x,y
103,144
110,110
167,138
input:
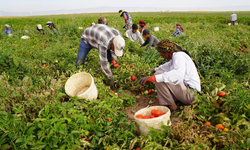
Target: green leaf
x,y
19,140
248,143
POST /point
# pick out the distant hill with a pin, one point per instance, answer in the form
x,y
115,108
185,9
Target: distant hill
x,y
129,9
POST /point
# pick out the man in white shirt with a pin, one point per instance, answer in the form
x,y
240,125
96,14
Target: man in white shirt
x,y
134,34
233,18
176,80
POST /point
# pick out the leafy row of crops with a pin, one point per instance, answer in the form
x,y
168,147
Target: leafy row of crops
x,y
37,114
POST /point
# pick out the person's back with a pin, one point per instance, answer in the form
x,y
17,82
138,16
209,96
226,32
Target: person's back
x,y
233,18
99,35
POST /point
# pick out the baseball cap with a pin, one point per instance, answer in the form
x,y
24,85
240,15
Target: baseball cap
x,y
119,45
145,31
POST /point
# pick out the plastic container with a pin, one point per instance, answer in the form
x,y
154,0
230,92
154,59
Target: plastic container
x,y
144,124
236,23
156,29
229,24
81,84
25,37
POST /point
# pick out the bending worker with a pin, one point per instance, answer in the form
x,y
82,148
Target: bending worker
x,y
109,43
176,80
127,19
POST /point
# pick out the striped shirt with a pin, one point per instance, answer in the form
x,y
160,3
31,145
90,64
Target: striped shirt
x,y
99,36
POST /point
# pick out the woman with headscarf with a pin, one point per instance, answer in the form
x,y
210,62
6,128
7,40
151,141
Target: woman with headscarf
x,y
179,30
176,80
142,25
127,18
7,29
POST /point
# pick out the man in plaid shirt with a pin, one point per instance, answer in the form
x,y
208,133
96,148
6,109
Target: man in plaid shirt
x,y
109,43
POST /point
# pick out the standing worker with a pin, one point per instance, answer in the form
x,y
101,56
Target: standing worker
x,y
109,43
176,80
127,18
233,18
7,29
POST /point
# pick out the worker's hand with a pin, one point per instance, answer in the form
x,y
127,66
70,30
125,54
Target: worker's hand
x,y
112,83
146,80
152,70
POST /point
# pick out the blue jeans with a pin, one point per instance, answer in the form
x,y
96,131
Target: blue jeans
x,y
83,52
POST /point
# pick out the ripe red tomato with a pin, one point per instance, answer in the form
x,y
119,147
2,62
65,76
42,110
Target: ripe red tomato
x,y
149,91
44,65
139,116
221,94
113,62
131,65
138,148
113,92
109,119
116,65
133,78
71,115
153,112
142,89
157,113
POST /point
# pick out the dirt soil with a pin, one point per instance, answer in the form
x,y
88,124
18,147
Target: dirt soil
x,y
144,101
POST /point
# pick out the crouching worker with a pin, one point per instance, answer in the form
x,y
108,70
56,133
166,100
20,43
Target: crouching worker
x,y
40,29
7,29
179,30
176,80
109,43
150,39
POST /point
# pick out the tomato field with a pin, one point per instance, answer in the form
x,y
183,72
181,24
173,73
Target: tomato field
x,y
36,113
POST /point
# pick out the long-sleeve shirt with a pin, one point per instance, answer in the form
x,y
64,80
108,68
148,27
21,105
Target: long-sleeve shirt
x,y
8,31
151,41
180,69
134,36
177,32
233,17
99,36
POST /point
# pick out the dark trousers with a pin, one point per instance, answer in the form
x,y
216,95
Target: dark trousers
x,y
232,22
83,52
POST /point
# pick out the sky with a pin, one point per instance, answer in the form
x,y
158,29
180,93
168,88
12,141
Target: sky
x,y
54,5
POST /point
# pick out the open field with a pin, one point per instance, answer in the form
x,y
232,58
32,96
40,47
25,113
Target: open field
x,y
35,112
